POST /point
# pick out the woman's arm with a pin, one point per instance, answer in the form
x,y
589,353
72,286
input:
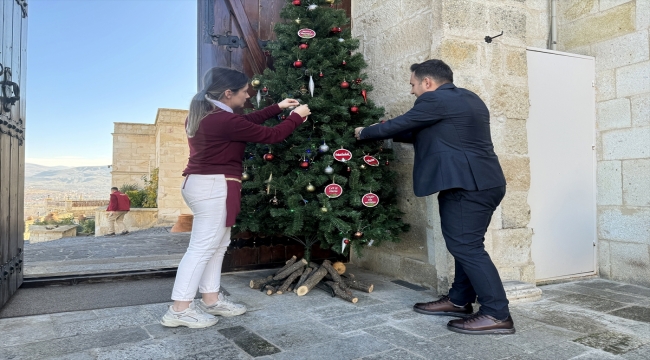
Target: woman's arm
x,y
240,129
260,116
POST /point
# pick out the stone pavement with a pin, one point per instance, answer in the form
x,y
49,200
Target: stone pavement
x,y
589,319
154,248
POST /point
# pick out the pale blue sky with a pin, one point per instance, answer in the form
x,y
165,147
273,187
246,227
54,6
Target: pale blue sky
x,y
95,62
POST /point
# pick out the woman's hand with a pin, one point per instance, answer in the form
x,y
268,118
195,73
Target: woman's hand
x,y
287,103
302,110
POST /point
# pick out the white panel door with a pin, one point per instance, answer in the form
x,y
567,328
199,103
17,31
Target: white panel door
x,y
561,139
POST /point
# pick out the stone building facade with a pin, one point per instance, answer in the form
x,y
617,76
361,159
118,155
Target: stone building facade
x,y
140,148
616,33
396,34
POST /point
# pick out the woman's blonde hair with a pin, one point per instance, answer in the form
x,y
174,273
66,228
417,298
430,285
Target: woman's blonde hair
x,y
215,83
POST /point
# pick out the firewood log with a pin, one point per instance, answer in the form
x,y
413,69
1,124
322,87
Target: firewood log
x,y
288,271
359,285
342,293
303,277
287,264
339,267
270,290
332,272
285,286
314,279
257,283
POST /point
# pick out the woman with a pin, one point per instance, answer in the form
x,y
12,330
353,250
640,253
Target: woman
x,y
217,138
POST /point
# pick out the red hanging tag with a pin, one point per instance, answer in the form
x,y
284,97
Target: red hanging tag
x,y
371,160
370,200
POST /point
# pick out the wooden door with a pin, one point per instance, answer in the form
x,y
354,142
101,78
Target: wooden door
x,y
251,21
13,27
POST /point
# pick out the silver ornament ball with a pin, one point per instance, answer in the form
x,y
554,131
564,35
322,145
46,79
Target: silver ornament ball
x,y
312,7
329,170
324,148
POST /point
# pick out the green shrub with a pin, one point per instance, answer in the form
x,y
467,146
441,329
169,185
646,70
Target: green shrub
x,y
137,198
129,187
151,190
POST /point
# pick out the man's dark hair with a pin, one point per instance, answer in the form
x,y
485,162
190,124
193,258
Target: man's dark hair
x,y
435,69
114,188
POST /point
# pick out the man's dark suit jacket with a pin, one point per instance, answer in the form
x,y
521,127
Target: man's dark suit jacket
x,y
450,132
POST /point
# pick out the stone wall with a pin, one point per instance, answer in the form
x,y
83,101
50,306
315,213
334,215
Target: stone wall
x,y
42,233
134,153
396,34
172,153
616,33
136,219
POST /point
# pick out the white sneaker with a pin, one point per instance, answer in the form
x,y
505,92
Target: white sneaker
x,y
192,317
223,307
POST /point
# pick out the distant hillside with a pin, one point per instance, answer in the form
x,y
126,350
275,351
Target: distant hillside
x,y
33,169
68,179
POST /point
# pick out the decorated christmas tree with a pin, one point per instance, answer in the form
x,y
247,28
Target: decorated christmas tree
x,y
320,184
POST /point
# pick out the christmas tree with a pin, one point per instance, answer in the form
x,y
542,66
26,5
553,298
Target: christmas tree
x,y
320,184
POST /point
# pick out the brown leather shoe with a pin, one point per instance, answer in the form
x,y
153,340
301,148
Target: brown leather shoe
x,y
479,324
443,306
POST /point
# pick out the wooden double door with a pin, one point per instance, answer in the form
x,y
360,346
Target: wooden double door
x,y
242,27
13,39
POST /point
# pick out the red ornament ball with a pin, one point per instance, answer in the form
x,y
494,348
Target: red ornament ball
x,y
321,74
296,2
387,163
283,117
346,241
345,85
304,164
297,63
268,157
349,169
354,109
358,81
358,234
336,30
303,46
344,63
265,89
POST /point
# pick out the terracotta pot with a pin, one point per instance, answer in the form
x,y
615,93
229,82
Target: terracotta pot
x,y
183,224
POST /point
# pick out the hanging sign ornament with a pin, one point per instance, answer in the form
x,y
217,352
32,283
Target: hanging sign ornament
x,y
342,155
371,160
333,190
306,33
370,200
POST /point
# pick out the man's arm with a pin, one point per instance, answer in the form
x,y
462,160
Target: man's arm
x,y
423,114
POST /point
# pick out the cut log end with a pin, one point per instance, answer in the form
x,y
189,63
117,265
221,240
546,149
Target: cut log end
x,y
339,267
354,300
372,287
303,290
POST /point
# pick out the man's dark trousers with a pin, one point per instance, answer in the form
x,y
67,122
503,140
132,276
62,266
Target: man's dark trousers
x,y
465,216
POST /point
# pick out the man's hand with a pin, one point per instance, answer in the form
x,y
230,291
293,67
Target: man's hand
x,y
288,103
357,132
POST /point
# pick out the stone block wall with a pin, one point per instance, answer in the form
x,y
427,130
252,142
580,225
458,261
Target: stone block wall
x,y
134,153
42,233
172,153
136,219
616,33
396,34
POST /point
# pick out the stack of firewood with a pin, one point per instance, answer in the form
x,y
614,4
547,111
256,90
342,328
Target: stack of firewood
x,y
302,276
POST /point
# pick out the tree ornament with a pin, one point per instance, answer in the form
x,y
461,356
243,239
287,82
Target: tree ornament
x,y
256,82
258,97
343,63
348,170
267,53
297,63
297,21
324,148
304,90
265,89
274,201
364,93
329,170
306,33
358,234
342,155
310,188
312,7
362,167
268,157
354,109
341,39
304,164
387,163
358,81
283,117
311,85
323,209
371,160
345,85
336,30
370,200
333,190
303,46
296,2
321,75
344,243
245,176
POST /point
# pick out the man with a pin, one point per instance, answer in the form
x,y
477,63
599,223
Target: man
x,y
117,208
450,130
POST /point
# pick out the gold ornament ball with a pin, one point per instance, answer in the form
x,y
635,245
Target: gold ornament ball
x,y
311,188
256,82
329,1
245,176
323,209
297,21
362,167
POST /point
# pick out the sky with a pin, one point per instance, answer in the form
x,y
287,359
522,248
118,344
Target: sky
x,y
91,63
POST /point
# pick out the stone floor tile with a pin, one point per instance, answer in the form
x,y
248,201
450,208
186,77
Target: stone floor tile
x,y
562,351
347,323
394,354
633,290
640,353
486,347
336,309
199,341
597,355
351,347
73,316
426,326
86,355
251,343
228,352
598,284
298,334
589,302
636,313
539,338
17,331
415,344
612,342
80,343
605,294
144,350
566,318
137,317
552,293
405,315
